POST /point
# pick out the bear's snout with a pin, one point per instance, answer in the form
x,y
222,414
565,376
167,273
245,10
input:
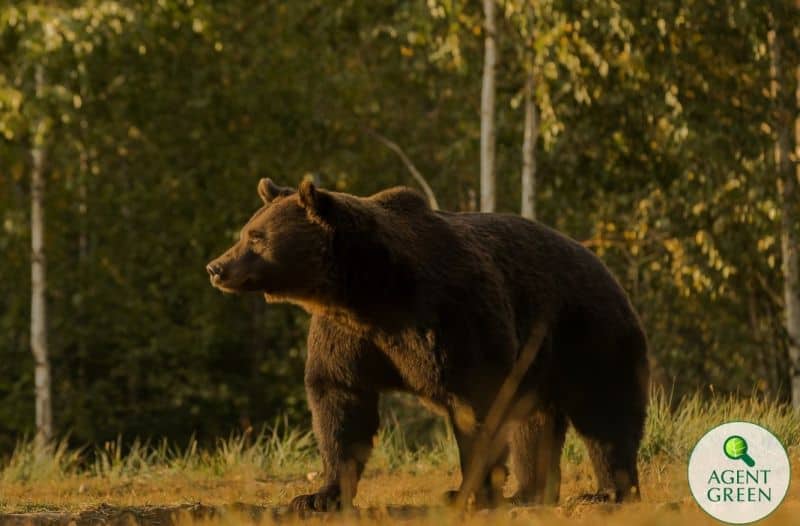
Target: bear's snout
x,y
216,273
232,272
213,270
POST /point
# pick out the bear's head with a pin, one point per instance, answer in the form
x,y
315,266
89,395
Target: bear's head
x,y
314,247
279,251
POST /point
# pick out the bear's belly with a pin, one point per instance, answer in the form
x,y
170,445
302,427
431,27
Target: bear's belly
x,y
417,362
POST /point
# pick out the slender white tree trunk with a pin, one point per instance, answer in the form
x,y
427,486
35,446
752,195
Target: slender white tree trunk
x,y
488,182
530,137
787,190
44,414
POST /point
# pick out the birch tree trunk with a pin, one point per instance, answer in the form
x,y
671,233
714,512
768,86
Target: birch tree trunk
x,y
530,137
44,414
488,181
787,190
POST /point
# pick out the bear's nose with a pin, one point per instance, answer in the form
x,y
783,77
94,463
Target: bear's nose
x,y
213,270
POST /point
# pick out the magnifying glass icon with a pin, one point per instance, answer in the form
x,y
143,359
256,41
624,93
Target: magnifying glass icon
x,y
735,448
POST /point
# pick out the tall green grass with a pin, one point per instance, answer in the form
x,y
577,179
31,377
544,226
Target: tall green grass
x,y
31,461
673,426
672,429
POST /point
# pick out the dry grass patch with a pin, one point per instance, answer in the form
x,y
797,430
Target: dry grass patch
x,y
251,478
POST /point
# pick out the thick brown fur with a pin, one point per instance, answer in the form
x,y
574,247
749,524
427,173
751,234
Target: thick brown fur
x,y
440,305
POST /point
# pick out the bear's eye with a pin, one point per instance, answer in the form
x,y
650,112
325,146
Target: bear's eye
x,y
255,238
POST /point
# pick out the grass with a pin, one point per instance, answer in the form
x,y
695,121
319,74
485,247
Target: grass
x,y
408,467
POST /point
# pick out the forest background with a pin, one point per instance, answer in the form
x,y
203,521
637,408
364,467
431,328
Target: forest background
x,y
662,134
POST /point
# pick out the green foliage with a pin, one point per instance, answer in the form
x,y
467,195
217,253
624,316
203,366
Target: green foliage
x,y
657,129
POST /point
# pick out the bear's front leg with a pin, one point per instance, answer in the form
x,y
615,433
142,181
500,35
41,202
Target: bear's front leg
x,y
345,421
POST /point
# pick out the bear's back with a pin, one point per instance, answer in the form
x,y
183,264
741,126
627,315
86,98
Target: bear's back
x,y
530,264
537,262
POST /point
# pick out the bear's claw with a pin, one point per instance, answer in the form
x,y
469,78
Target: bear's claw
x,y
322,501
600,497
481,500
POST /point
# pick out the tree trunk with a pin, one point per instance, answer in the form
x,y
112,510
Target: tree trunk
x,y
789,242
410,166
44,414
488,181
530,137
787,190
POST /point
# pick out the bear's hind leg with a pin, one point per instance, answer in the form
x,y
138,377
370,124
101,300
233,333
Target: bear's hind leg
x,y
536,445
614,463
492,463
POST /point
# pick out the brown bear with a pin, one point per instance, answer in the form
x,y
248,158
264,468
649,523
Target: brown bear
x,y
444,305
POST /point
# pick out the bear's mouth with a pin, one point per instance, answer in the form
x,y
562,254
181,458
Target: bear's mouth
x,y
218,283
232,288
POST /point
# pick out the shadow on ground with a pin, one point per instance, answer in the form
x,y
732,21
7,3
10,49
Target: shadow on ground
x,y
252,514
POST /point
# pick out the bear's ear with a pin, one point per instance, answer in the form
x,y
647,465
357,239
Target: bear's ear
x,y
318,203
268,190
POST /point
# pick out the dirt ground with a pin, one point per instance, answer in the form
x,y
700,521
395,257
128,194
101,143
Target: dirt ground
x,y
384,498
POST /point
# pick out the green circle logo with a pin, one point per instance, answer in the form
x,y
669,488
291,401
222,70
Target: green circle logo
x,y
739,472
